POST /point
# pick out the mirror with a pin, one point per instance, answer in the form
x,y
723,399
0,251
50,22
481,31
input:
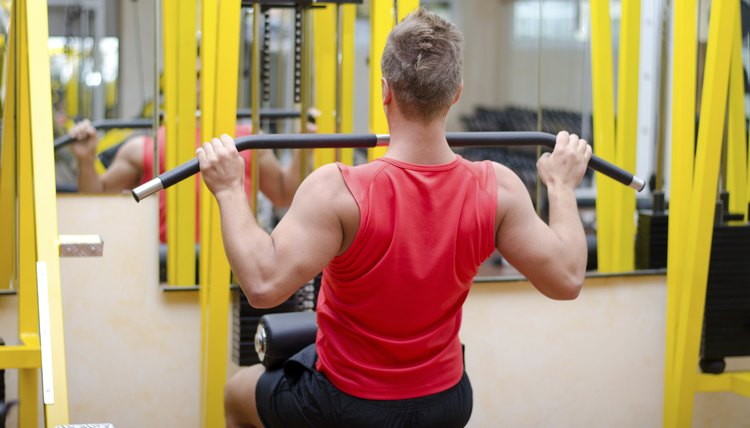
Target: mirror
x,y
527,67
102,70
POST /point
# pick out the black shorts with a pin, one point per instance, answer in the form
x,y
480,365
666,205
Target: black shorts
x,y
300,396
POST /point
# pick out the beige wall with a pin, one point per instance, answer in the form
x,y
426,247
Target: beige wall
x,y
132,349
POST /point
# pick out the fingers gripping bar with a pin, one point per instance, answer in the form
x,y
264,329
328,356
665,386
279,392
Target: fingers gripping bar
x,y
105,125
322,141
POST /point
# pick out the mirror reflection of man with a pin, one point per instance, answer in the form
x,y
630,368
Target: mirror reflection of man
x,y
133,163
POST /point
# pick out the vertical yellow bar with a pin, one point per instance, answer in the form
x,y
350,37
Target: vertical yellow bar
x,y
604,127
181,199
737,168
215,313
381,23
324,27
71,89
349,16
43,166
169,25
9,171
623,256
209,17
684,74
28,311
702,208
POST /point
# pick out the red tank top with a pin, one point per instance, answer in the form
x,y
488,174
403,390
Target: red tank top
x,y
389,309
148,174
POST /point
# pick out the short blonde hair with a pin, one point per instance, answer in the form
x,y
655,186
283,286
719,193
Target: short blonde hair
x,y
423,63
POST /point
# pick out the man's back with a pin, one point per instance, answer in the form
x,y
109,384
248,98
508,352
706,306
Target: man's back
x,y
390,306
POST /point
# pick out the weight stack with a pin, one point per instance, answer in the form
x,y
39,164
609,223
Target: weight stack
x,y
651,240
245,319
726,323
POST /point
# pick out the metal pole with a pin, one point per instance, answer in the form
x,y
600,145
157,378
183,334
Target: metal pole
x,y
255,94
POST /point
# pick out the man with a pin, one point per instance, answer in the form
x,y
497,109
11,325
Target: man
x,y
399,241
133,163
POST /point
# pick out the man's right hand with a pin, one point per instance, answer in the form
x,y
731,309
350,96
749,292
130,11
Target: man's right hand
x,y
567,163
86,138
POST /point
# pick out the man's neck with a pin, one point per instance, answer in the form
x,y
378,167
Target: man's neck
x,y
419,142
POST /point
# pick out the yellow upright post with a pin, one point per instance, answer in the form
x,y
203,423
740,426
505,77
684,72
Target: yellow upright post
x,y
54,378
681,180
209,17
180,94
382,16
28,186
220,47
348,15
737,167
334,76
28,311
325,59
8,174
623,256
604,128
700,225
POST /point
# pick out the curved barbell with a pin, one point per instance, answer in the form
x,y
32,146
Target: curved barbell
x,y
321,141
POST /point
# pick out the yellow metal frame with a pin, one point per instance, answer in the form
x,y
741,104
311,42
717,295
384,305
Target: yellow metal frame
x,y
180,101
219,50
8,176
684,74
325,63
326,75
623,215
33,182
381,23
348,19
604,128
681,379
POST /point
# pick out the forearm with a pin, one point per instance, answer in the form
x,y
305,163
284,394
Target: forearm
x,y
565,222
248,247
89,180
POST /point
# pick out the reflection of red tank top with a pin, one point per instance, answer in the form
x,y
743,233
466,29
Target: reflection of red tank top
x,y
148,174
389,308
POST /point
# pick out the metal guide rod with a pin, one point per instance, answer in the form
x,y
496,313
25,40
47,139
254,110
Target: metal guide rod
x,y
318,141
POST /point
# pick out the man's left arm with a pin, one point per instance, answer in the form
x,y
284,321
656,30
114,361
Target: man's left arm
x,y
271,267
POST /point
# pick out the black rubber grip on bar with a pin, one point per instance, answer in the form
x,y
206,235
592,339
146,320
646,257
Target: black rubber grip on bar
x,y
276,141
107,124
510,139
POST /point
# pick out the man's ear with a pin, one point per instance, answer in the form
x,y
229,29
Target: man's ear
x,y
387,93
458,93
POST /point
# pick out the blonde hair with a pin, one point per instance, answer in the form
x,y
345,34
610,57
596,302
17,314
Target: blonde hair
x,y
422,62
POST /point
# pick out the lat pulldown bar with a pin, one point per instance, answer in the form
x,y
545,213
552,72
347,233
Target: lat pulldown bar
x,y
107,124
328,141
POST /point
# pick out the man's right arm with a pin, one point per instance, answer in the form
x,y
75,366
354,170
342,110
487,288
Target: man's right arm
x,y
553,257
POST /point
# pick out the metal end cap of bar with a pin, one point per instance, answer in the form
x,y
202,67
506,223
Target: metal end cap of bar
x,y
147,189
637,183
